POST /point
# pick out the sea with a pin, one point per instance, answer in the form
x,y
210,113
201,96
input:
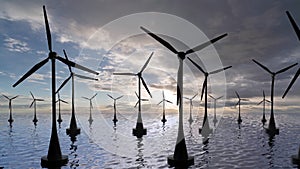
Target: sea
x,y
101,144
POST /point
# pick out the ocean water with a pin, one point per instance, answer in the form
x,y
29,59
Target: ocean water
x,y
101,145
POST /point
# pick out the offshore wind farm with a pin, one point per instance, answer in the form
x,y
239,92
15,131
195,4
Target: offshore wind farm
x,y
134,100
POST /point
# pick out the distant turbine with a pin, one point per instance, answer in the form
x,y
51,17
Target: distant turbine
x,y
91,107
263,120
59,120
191,106
35,120
10,120
139,131
272,130
180,157
239,120
54,157
163,101
115,107
205,124
296,28
215,107
72,130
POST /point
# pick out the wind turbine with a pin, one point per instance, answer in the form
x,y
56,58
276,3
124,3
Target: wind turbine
x,y
263,120
239,120
205,123
54,157
163,101
295,158
215,107
191,106
72,130
180,157
59,120
272,130
10,120
33,103
139,131
115,107
91,107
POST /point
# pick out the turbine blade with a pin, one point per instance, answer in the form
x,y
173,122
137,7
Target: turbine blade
x,y
194,96
264,94
237,103
110,96
47,29
63,84
211,97
296,28
260,102
86,98
199,47
84,77
5,96
169,101
203,87
159,102
145,85
119,97
163,93
129,74
261,65
31,95
64,101
186,98
14,97
72,64
285,69
245,99
137,95
144,100
31,71
291,83
268,101
39,99
219,98
237,94
147,62
94,96
67,59
197,66
219,70
136,104
31,103
160,40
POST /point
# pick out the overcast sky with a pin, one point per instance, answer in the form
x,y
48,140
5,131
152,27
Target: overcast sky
x,y
256,29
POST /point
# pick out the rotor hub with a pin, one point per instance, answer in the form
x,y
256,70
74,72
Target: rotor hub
x,y
52,55
181,55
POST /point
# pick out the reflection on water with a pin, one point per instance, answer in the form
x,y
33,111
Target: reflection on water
x,y
103,145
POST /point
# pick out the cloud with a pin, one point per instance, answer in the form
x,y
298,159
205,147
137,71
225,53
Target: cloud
x,y
15,45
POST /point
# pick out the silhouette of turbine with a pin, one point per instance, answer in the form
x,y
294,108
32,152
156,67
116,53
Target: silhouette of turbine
x,y
10,120
272,130
239,120
35,120
295,158
180,157
139,131
115,120
54,157
215,107
263,120
72,130
91,107
164,112
191,107
205,124
59,120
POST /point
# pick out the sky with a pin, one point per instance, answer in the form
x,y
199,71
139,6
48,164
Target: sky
x,y
105,36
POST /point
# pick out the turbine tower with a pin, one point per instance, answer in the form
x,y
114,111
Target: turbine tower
x,y
215,107
180,157
295,158
10,120
59,120
139,131
54,157
164,106
115,120
239,120
205,124
91,107
191,107
72,130
272,130
263,120
33,103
